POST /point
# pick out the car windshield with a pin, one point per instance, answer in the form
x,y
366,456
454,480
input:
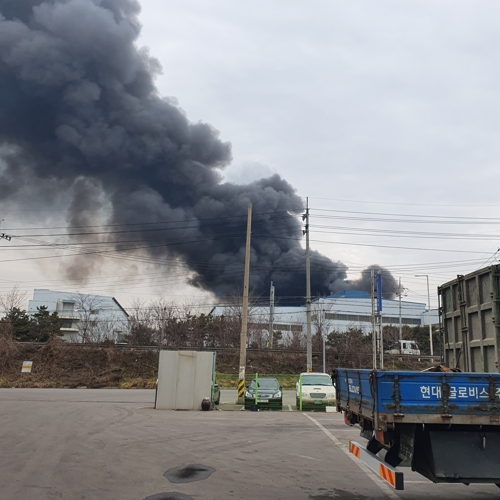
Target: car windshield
x,y
316,380
266,383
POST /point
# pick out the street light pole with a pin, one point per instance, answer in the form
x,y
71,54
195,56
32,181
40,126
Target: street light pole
x,y
429,311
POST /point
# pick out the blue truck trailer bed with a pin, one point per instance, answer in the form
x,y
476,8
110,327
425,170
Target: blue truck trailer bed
x,y
389,397
446,426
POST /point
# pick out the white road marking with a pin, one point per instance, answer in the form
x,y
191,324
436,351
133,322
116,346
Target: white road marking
x,y
379,482
304,456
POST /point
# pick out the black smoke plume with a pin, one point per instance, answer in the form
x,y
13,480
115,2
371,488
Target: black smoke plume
x,y
79,111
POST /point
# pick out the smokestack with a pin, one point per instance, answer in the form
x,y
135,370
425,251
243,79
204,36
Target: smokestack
x,y
80,114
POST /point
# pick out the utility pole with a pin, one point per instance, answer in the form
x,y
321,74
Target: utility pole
x,y
374,333
323,320
379,318
400,319
271,316
244,312
308,291
429,310
162,340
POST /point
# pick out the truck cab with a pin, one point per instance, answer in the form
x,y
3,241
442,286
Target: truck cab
x,y
404,347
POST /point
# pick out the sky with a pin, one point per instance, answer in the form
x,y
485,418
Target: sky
x,y
383,115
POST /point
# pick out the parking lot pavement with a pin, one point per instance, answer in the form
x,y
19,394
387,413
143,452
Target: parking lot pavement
x,y
112,444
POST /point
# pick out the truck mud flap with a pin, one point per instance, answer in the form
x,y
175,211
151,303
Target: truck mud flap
x,y
458,456
389,474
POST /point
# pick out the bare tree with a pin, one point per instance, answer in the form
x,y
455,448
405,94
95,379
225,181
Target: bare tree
x,y
95,323
142,328
15,299
232,313
321,322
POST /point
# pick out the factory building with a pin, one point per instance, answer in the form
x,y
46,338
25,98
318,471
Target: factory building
x,y
340,312
84,317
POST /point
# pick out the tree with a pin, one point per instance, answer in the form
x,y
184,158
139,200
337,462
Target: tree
x,y
44,325
38,328
142,329
352,348
95,324
88,307
322,324
421,335
13,299
20,324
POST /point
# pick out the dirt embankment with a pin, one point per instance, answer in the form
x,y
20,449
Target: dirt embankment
x,y
57,364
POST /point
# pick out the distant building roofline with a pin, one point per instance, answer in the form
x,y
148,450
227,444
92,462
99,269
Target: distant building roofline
x,y
350,294
120,306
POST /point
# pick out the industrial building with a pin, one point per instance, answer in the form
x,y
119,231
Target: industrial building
x,y
341,311
84,317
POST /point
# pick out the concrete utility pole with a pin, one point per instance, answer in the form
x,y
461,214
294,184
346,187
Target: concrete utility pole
x,y
244,313
379,318
323,319
374,333
400,292
271,316
429,311
308,291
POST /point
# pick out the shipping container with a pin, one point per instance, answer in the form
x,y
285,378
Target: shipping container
x,y
470,319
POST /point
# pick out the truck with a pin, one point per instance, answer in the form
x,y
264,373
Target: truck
x,y
469,311
444,425
406,347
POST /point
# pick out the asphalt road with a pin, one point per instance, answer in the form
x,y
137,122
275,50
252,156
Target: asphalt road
x,y
111,444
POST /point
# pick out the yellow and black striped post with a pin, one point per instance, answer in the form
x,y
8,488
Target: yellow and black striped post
x,y
241,386
241,391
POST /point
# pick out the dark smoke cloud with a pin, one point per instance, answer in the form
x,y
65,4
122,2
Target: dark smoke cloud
x,y
78,107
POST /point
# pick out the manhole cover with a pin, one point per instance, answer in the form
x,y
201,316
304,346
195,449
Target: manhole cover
x,y
169,496
188,473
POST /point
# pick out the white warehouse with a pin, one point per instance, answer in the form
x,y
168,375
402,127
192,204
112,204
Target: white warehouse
x,y
340,311
85,318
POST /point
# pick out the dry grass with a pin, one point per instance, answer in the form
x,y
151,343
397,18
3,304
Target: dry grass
x,y
57,364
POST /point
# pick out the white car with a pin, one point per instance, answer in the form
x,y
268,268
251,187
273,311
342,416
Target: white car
x,y
317,391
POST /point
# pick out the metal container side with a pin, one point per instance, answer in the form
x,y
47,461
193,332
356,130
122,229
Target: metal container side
x,y
354,391
420,397
470,321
